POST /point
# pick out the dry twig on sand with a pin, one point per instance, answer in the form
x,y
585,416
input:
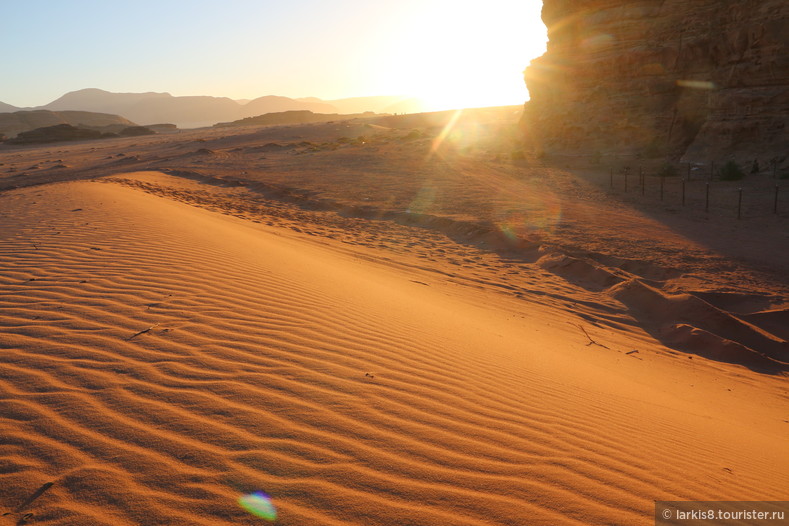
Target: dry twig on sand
x,y
142,331
28,516
591,341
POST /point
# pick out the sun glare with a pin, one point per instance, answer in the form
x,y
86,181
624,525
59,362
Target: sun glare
x,y
463,54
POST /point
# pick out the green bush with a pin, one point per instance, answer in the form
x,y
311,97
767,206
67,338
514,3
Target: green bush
x,y
731,172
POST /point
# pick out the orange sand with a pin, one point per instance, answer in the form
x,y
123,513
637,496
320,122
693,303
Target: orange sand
x,y
159,360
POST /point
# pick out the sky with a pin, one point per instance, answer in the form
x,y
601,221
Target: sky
x,y
449,53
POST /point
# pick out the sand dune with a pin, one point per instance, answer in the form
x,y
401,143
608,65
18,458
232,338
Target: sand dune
x,y
160,360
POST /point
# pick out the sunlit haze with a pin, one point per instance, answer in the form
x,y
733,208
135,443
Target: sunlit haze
x,y
450,54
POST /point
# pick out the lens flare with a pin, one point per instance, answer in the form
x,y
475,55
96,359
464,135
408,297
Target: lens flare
x,y
423,202
445,132
259,504
535,214
696,84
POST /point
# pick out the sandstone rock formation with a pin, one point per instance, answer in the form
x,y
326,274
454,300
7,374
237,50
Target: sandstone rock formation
x,y
56,133
136,131
698,81
12,124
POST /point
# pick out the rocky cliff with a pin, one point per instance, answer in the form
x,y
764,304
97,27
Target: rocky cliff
x,y
701,80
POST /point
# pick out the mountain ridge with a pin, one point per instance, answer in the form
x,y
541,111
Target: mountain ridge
x,y
195,111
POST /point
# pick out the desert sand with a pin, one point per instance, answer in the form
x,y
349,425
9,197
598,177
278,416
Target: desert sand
x,y
375,323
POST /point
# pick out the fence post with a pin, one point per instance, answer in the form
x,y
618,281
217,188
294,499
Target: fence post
x,y
775,201
739,204
707,198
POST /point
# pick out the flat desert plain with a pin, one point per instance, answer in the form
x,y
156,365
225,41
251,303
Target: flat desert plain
x,y
391,321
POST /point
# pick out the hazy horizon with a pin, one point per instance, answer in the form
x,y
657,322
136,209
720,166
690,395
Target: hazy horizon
x,y
447,54
242,102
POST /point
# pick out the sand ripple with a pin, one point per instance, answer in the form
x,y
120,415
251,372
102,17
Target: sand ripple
x,y
159,362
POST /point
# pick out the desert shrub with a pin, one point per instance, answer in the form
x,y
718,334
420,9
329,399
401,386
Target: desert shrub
x,y
731,171
668,170
412,135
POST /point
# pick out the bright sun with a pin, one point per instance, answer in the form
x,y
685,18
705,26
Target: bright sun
x,y
467,54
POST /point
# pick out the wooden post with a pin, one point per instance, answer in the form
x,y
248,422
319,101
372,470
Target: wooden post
x,y
739,204
707,199
775,201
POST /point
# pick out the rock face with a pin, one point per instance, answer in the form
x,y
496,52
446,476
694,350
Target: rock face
x,y
698,81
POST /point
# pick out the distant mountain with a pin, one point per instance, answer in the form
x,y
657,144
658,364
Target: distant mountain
x,y
7,107
412,105
380,104
290,117
199,111
17,122
185,112
274,104
97,100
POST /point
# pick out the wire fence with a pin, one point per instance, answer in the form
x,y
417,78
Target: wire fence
x,y
703,187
